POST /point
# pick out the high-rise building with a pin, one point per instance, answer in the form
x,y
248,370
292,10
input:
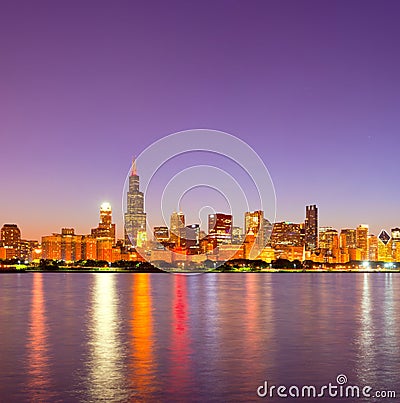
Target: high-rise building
x,y
396,244
177,225
11,235
161,234
362,240
220,228
191,241
348,238
135,217
395,234
65,246
51,247
89,248
237,235
104,248
286,233
311,227
373,248
255,224
105,228
328,238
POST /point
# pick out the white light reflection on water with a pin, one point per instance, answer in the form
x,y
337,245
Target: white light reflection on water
x,y
366,335
105,366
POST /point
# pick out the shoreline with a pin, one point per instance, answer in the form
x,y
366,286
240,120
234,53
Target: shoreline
x,y
276,271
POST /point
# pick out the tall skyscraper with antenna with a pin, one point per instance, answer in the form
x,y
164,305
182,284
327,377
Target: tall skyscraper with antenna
x,y
135,217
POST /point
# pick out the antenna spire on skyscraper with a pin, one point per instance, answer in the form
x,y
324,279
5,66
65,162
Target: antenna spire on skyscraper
x,y
133,170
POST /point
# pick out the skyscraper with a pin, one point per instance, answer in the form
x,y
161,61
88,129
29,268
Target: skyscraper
x,y
311,227
286,233
105,228
362,240
220,227
11,235
177,225
135,217
348,238
255,224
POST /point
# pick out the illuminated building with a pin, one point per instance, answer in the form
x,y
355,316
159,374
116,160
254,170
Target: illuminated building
x,y
89,248
373,248
396,251
253,221
362,240
115,254
355,254
160,255
104,247
191,238
260,227
141,239
8,252
65,246
267,254
289,252
230,252
220,228
237,235
177,225
395,234
311,228
348,238
105,228
385,251
286,233
328,238
11,236
135,217
161,234
51,247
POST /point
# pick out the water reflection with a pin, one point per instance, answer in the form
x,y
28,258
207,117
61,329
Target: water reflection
x,y
38,355
180,376
366,337
142,369
106,376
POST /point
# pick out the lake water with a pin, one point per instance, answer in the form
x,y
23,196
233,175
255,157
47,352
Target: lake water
x,y
214,337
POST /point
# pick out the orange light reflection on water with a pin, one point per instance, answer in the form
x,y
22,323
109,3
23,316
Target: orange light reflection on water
x,y
142,337
38,359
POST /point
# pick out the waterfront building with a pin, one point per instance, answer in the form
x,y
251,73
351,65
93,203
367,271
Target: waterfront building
x,y
311,228
104,247
89,248
105,228
348,238
237,235
220,228
10,236
135,217
362,240
161,234
177,225
373,248
191,238
286,233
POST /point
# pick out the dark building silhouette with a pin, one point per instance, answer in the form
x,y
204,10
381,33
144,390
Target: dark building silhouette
x,y
311,227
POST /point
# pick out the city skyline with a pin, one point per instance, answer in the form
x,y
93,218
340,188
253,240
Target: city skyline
x,y
311,87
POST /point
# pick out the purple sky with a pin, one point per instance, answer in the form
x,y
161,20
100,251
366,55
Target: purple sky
x,y
312,86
